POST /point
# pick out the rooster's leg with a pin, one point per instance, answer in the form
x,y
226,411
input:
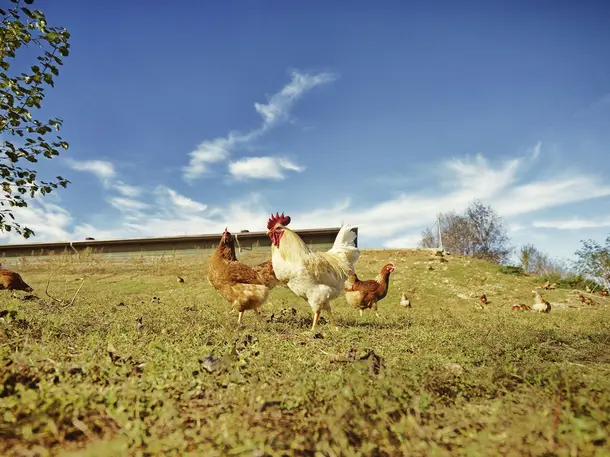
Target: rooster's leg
x,y
375,309
241,314
361,312
316,318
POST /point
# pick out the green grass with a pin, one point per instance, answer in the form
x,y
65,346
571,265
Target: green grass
x,y
524,383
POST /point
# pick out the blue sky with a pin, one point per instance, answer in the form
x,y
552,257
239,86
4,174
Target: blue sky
x,y
197,114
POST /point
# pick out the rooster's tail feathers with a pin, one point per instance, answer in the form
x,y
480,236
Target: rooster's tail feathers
x,y
345,243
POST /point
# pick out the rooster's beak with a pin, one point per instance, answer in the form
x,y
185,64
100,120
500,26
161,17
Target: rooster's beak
x,y
268,232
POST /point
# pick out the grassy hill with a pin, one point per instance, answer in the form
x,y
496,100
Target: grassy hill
x,y
442,378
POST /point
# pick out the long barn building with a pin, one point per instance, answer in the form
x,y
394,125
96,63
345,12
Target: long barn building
x,y
247,243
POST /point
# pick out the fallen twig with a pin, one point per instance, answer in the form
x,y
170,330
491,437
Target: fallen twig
x,y
62,302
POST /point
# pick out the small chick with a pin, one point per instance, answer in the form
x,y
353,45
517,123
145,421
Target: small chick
x,y
404,301
483,299
604,292
179,279
430,268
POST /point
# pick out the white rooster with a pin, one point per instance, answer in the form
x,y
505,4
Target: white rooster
x,y
317,277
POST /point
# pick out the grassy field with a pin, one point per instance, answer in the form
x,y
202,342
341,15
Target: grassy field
x,y
126,369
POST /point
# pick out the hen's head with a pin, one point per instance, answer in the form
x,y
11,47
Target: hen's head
x,y
227,244
275,226
387,269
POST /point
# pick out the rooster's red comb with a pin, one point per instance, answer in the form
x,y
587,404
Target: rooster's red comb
x,y
284,220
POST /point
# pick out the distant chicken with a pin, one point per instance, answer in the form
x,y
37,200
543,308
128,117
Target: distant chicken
x,y
585,300
10,280
365,294
548,286
237,282
265,270
521,307
604,292
540,305
483,299
404,301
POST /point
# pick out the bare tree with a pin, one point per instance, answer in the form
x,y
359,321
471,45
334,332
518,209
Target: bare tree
x,y
456,233
428,239
594,260
478,232
489,239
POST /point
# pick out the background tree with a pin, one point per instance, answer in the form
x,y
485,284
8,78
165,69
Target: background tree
x,y
428,239
593,260
489,238
478,232
23,137
527,257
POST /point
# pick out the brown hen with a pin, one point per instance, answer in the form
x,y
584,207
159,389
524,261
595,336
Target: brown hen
x,y
9,280
238,283
365,294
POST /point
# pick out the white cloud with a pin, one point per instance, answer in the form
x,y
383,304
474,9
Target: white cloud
x,y
127,204
102,169
406,241
127,190
550,193
536,150
515,227
572,224
178,202
274,112
278,107
262,168
49,221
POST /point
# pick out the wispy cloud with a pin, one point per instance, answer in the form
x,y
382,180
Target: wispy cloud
x,y
106,172
262,168
572,224
102,169
127,190
274,112
169,197
278,107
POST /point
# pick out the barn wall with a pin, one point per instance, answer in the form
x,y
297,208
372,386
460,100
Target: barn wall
x,y
252,244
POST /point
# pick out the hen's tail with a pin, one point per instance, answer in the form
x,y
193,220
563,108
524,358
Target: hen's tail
x,y
345,245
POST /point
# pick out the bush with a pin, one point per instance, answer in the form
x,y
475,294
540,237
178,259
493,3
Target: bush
x,y
512,270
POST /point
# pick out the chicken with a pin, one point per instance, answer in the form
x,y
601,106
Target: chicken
x,y
483,299
236,282
404,301
366,294
540,305
265,270
521,307
9,280
585,300
317,277
604,292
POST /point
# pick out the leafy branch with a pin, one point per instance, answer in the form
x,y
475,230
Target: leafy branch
x,y
26,138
